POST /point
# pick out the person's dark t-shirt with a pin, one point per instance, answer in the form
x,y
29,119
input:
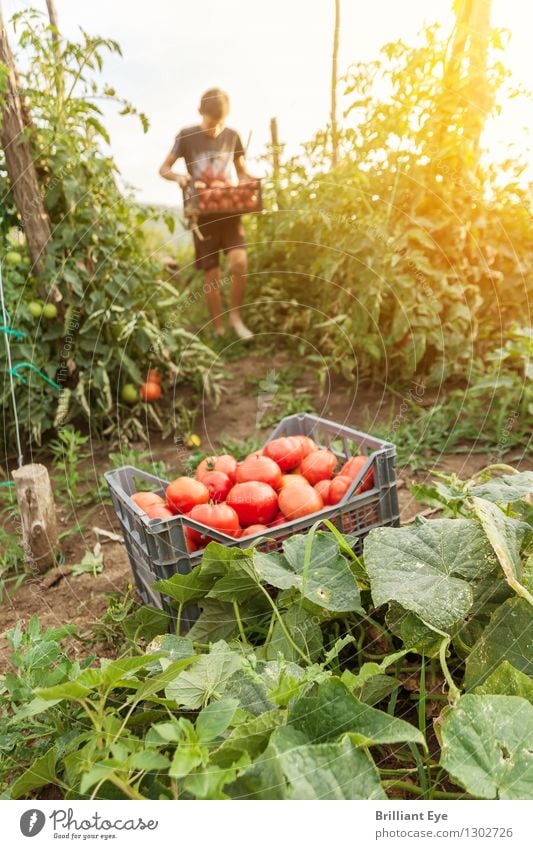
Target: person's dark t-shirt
x,y
208,158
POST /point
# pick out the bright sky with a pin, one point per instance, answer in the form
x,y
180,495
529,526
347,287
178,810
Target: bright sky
x,y
272,56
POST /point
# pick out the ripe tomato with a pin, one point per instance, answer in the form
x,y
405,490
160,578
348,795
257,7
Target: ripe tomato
x,y
293,480
253,529
144,499
258,468
220,517
150,391
322,487
255,502
337,488
308,444
279,520
353,466
185,493
319,465
218,484
159,511
153,376
287,452
298,501
223,463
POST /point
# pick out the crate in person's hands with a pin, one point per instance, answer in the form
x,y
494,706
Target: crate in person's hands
x,y
219,199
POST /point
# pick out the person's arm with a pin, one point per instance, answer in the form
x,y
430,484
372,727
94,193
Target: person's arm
x,y
168,174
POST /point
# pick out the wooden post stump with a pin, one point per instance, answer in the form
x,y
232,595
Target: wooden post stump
x,y
38,515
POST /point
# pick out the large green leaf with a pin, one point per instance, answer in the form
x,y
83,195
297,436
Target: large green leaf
x,y
486,746
325,771
194,687
304,630
41,772
429,568
324,577
506,489
508,636
506,536
415,635
331,711
184,588
507,681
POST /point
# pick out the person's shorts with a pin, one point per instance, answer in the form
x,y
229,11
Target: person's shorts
x,y
219,234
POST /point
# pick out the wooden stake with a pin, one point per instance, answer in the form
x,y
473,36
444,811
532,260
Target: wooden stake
x,y
334,80
19,161
38,515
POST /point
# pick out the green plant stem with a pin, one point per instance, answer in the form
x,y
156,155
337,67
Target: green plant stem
x,y
239,623
178,618
454,692
283,627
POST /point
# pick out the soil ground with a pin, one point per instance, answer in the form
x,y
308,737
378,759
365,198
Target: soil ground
x,y
58,598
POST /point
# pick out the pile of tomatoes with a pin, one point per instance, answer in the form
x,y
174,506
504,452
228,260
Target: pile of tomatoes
x,y
290,478
222,196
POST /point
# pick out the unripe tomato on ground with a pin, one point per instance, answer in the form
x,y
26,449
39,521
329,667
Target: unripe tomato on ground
x,y
253,529
319,465
255,502
218,484
287,452
222,463
298,501
220,517
258,468
353,466
150,392
145,499
185,493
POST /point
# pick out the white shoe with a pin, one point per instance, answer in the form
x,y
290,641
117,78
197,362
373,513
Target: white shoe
x,y
241,330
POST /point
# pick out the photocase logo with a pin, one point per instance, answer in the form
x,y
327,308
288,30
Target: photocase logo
x,y
32,822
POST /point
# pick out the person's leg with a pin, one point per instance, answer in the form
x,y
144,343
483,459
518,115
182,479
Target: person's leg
x,y
213,297
238,269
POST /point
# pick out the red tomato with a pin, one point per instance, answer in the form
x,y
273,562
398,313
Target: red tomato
x,y
185,493
353,466
253,529
218,484
255,502
287,452
223,463
319,465
338,487
298,501
159,511
190,538
220,517
307,444
278,520
144,499
153,376
258,468
293,480
322,487
150,391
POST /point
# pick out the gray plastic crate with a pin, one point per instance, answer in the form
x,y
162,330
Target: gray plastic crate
x,y
157,549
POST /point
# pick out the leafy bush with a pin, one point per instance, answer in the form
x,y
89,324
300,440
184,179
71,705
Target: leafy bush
x,y
118,316
310,673
409,257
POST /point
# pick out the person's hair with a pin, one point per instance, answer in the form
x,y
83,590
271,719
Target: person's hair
x,y
214,103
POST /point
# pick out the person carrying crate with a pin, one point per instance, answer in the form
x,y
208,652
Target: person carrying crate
x,y
211,151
